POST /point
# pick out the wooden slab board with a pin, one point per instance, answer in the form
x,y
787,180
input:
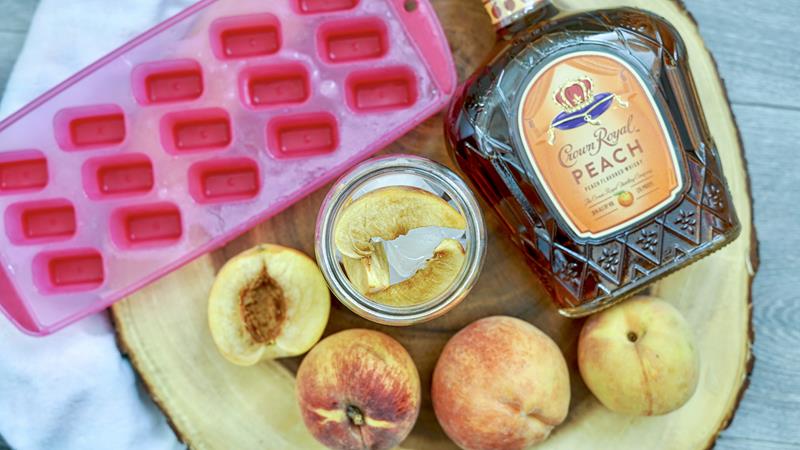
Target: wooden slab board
x,y
215,405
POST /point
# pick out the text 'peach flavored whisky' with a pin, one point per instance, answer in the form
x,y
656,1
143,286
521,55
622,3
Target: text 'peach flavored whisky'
x,y
585,134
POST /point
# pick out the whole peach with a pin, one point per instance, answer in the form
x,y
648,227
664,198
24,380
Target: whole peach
x,y
359,389
639,357
500,384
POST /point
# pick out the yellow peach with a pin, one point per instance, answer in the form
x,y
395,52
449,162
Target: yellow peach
x,y
639,357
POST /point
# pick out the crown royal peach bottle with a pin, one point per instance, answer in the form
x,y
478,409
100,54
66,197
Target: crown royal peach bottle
x,y
586,135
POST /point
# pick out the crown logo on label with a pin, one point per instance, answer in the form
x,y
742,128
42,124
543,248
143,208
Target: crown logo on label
x,y
581,106
575,95
499,10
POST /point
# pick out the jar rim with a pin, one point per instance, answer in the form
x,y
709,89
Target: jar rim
x,y
432,172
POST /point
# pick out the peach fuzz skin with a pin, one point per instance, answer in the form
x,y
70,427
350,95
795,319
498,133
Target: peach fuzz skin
x,y
359,389
500,384
639,358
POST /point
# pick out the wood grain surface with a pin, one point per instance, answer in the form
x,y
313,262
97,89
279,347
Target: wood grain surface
x,y
754,42
172,350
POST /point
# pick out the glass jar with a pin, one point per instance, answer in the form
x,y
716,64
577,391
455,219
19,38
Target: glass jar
x,y
408,171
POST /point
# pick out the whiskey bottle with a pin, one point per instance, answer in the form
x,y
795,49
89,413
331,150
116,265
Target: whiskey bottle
x,y
585,134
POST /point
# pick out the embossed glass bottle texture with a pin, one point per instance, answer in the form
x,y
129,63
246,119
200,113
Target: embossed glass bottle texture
x,y
586,135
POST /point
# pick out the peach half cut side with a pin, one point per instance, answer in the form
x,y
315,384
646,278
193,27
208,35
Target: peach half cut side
x,y
269,302
389,213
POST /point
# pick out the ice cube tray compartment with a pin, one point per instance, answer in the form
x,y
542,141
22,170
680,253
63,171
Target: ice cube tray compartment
x,y
168,81
382,89
23,171
117,176
145,226
302,135
196,130
69,271
90,127
193,133
353,40
40,222
324,6
224,180
275,85
246,36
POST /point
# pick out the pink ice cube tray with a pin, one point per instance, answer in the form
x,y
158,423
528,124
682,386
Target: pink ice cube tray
x,y
194,132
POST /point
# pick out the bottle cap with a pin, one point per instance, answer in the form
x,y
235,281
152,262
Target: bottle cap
x,y
502,11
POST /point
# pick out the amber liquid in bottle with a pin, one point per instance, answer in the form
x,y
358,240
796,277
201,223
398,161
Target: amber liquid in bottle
x,y
585,134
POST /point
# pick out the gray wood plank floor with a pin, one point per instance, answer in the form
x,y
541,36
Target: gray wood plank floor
x,y
14,24
754,42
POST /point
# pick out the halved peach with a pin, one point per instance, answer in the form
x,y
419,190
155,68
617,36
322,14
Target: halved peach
x,y
268,302
389,213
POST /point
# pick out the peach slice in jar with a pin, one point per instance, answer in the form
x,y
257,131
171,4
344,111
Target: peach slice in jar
x,y
269,302
404,206
371,274
388,213
432,280
384,215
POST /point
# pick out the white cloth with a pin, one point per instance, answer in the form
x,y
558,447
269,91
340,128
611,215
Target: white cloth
x,y
73,390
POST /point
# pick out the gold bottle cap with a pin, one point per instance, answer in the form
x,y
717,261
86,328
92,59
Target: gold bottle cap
x,y
502,10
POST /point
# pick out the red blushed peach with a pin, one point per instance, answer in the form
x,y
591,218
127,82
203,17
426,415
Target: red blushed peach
x,y
359,389
500,384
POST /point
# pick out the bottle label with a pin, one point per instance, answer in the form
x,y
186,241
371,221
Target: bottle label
x,y
600,149
500,10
